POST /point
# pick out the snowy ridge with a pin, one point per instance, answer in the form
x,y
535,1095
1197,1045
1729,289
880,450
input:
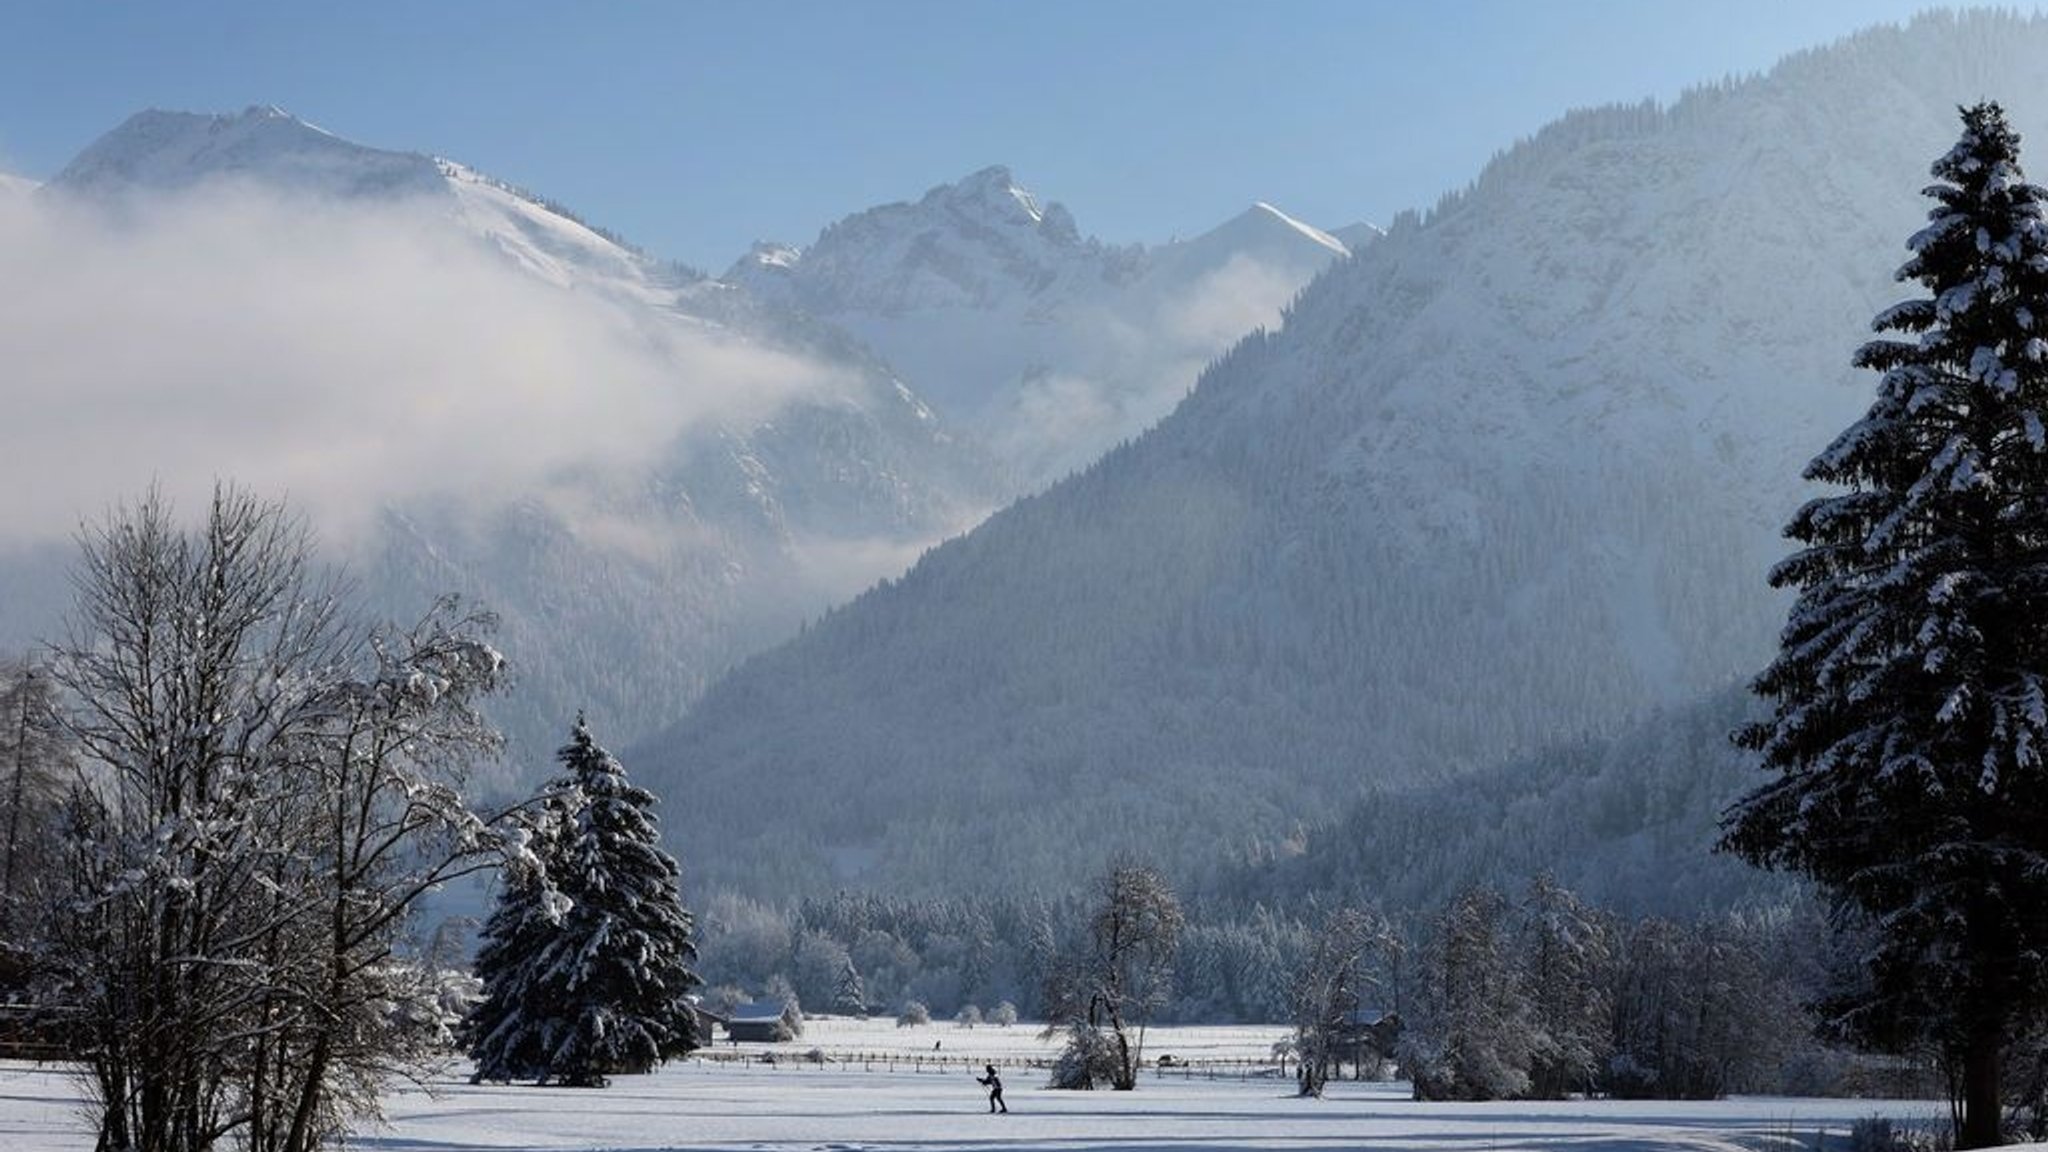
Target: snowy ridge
x,y
1261,235
981,243
546,243
1512,473
1314,234
158,152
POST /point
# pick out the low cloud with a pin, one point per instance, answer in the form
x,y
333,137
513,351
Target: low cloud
x,y
1137,363
1225,304
341,356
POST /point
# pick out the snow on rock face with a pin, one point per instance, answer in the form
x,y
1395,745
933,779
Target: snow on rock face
x,y
1515,470
981,244
1050,346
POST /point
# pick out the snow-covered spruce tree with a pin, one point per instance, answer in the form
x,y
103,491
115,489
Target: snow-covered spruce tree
x,y
1911,688
851,995
506,1033
615,977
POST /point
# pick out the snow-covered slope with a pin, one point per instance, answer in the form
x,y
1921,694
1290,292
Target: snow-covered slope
x,y
1513,472
623,588
1050,345
161,150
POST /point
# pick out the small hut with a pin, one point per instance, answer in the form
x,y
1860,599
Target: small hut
x,y
762,1022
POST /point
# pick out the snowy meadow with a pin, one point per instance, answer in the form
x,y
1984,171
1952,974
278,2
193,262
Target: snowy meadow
x,y
871,1085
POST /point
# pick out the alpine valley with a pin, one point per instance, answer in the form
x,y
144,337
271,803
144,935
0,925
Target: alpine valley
x,y
1504,485
1469,515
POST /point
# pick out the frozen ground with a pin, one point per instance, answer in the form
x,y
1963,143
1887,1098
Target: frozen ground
x,y
926,1106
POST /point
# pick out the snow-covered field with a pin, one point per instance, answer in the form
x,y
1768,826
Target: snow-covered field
x,y
854,1100
839,1039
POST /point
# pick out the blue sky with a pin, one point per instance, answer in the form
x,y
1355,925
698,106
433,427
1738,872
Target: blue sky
x,y
694,128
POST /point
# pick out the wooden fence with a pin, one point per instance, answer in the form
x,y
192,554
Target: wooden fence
x,y
796,1058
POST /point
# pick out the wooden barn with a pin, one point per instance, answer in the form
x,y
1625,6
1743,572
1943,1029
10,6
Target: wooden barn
x,y
758,1023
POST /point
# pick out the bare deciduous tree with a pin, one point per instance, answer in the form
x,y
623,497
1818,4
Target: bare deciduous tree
x,y
268,788
1327,987
1118,976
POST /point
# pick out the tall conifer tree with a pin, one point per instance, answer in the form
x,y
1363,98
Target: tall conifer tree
x,y
508,1031
1911,689
621,962
599,983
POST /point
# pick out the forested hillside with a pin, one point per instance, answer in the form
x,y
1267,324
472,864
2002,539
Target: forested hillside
x,y
1512,474
1628,822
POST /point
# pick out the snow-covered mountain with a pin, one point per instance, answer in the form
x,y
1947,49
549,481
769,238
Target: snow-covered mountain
x,y
1050,345
161,150
155,153
622,589
1513,472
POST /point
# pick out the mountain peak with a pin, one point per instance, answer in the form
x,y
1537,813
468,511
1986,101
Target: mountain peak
x,y
991,193
164,150
1261,234
771,259
994,176
982,243
774,254
1265,214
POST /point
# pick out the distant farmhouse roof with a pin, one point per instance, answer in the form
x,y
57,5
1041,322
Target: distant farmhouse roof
x,y
757,1023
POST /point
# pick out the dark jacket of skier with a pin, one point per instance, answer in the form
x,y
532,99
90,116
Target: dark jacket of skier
x,y
995,1089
